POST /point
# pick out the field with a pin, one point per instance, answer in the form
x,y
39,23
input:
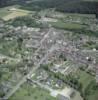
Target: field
x,y
88,85
84,80
27,92
70,21
77,15
92,91
11,12
67,25
93,96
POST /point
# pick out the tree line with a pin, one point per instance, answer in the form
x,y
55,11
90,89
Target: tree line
x,y
70,6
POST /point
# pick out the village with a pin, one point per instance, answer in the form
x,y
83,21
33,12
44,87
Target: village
x,y
49,57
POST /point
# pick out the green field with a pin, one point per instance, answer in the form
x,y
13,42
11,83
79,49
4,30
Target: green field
x,y
67,25
84,78
89,87
77,15
11,12
28,92
93,96
5,11
91,91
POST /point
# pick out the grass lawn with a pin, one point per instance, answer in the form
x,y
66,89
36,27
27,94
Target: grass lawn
x,y
93,96
91,91
27,92
11,12
89,85
5,11
85,78
67,25
77,15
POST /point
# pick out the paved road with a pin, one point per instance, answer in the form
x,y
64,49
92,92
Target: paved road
x,y
41,42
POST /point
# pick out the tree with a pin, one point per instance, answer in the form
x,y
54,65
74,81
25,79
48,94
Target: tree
x,y
20,41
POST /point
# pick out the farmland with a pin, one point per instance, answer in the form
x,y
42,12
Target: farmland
x,y
63,25
11,12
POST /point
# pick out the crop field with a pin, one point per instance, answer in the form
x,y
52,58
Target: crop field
x,y
11,12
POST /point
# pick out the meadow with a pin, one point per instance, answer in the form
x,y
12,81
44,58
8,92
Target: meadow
x,y
11,12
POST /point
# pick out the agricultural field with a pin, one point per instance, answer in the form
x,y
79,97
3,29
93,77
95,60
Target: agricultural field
x,y
77,15
67,25
70,21
11,12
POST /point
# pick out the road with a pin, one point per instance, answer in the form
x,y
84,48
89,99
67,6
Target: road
x,y
41,42
41,85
